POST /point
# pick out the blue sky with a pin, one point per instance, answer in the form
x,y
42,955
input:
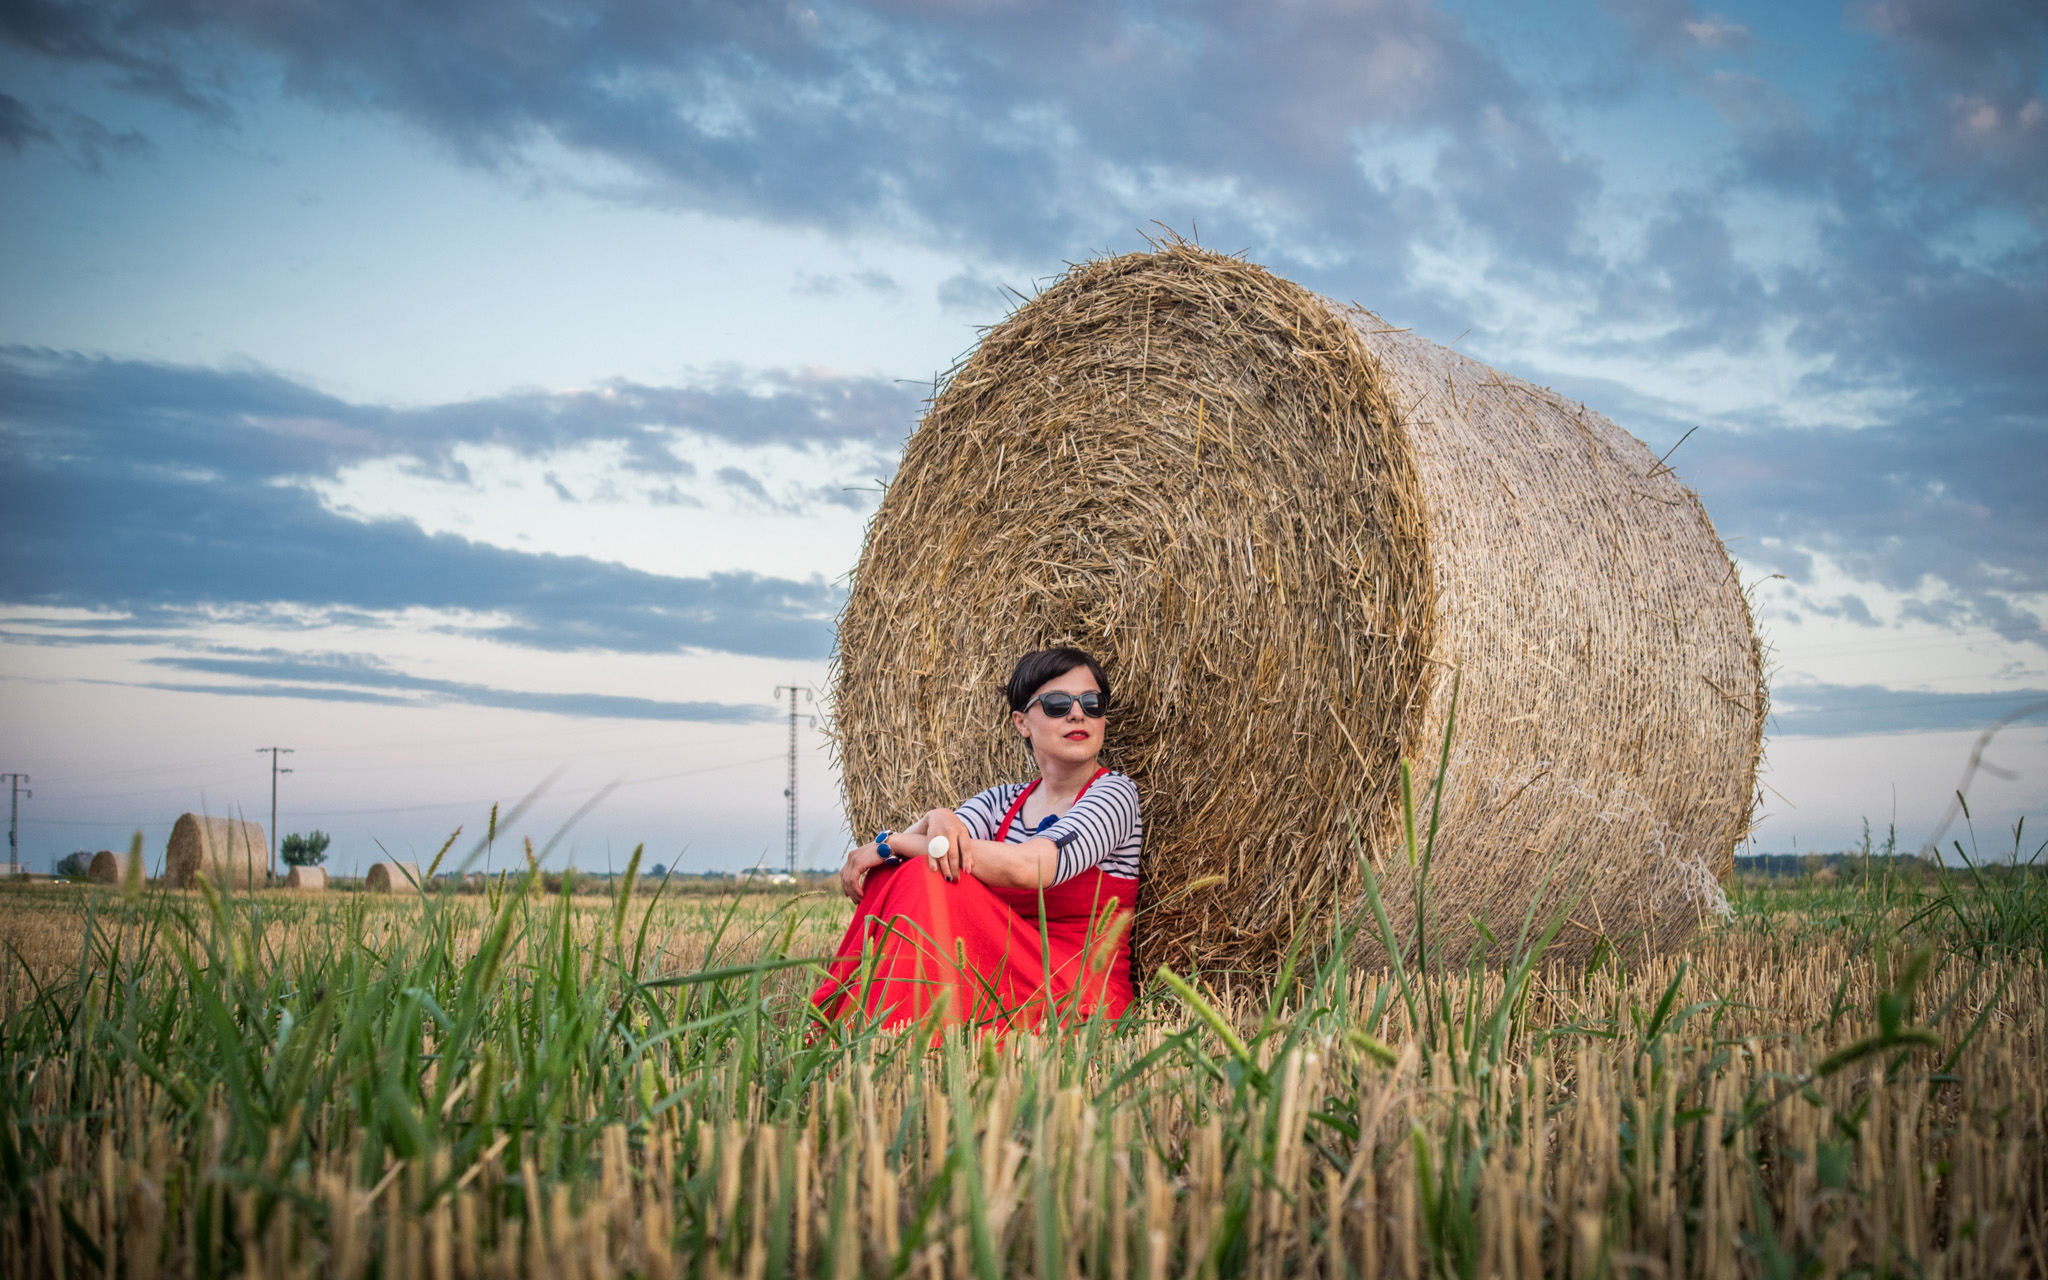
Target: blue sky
x,y
476,397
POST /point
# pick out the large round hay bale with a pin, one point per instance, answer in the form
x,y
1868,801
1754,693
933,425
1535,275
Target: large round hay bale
x,y
393,877
309,879
105,868
1290,530
232,853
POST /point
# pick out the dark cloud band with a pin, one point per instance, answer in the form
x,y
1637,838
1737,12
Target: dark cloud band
x,y
363,678
1835,711
162,491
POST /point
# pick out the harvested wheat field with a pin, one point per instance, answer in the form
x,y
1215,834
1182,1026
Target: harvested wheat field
x,y
1835,1080
1300,539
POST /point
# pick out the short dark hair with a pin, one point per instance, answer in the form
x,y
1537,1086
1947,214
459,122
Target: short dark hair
x,y
1041,665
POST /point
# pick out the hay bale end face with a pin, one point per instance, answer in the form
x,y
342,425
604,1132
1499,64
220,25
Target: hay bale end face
x,y
1290,531
393,877
105,868
231,853
307,879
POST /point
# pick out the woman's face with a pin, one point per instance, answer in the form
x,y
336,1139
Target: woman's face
x,y
1076,737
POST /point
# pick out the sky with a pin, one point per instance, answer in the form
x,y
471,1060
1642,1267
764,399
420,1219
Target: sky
x,y
486,401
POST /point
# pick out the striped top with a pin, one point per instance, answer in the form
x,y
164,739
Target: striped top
x,y
1103,828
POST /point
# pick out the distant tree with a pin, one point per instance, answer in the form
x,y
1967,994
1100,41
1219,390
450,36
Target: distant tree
x,y
656,872
308,850
73,866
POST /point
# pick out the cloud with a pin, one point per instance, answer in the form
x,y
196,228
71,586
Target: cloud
x,y
1687,291
174,493
1928,275
1937,500
1848,607
1676,31
1023,134
832,286
737,478
305,692
260,425
366,678
1834,710
1018,132
19,126
171,549
1374,149
966,292
69,633
1970,107
1910,443
87,141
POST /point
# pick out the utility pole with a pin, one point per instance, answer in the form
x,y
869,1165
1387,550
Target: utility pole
x,y
790,792
275,752
19,794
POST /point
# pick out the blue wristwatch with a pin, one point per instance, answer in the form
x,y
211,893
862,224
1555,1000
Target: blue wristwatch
x,y
889,858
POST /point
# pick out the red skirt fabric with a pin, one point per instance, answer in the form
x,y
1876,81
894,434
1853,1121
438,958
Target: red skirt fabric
x,y
976,955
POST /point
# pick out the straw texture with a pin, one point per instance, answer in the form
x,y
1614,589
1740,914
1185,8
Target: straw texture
x,y
309,879
231,853
1285,527
105,868
393,877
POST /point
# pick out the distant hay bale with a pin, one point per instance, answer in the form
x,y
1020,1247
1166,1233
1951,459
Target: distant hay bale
x,y
1285,526
310,879
105,868
232,853
393,877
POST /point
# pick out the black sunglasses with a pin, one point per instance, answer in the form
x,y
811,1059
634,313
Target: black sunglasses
x,y
1057,705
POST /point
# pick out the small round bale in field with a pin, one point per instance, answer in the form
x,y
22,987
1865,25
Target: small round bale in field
x,y
105,868
1296,535
393,877
232,853
307,879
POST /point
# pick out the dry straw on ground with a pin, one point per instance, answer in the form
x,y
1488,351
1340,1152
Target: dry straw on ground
x,y
231,852
1286,527
310,879
393,877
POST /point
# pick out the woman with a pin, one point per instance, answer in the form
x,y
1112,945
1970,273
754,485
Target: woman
x,y
1028,911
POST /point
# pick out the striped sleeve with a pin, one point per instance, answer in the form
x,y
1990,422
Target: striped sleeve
x,y
1102,829
983,811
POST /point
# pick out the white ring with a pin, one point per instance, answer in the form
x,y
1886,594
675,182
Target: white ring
x,y
938,847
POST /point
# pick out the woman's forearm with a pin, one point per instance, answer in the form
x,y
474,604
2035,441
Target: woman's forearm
x,y
1030,865
910,843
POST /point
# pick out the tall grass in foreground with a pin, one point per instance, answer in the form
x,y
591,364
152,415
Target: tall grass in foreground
x,y
1839,1081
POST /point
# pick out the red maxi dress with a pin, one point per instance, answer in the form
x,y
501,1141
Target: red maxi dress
x,y
921,946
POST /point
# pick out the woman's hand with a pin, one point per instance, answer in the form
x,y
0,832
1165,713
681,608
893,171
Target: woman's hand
x,y
853,875
959,859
